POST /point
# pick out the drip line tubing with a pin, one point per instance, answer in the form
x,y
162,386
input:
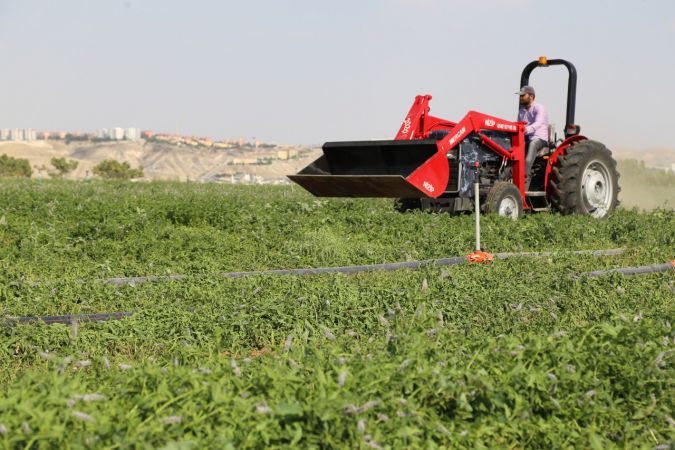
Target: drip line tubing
x,y
453,261
654,268
70,318
101,317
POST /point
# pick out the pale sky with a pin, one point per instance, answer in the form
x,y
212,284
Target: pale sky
x,y
309,71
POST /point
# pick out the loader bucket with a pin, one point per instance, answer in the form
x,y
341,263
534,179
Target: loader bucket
x,y
397,168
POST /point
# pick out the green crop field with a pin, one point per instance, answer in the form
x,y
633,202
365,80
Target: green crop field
x,y
520,353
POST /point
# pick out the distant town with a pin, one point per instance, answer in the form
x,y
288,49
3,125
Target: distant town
x,y
127,134
265,152
161,155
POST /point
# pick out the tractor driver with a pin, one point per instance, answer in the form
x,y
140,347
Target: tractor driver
x,y
536,130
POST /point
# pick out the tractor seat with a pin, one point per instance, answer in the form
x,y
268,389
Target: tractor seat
x,y
551,144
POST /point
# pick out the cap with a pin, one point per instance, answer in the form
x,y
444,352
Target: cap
x,y
526,90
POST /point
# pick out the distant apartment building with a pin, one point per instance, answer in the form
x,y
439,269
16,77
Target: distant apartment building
x,y
132,134
17,134
118,134
287,154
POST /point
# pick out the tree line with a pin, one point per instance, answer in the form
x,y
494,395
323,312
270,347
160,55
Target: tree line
x,y
108,169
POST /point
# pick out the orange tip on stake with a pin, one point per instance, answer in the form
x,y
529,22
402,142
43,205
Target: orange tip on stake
x,y
480,257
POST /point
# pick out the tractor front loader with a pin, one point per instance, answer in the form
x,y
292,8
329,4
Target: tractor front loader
x,y
432,163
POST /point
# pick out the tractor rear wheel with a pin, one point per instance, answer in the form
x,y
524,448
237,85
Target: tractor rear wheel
x,y
504,199
585,181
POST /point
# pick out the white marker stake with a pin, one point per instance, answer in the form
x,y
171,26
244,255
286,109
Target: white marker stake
x,y
477,198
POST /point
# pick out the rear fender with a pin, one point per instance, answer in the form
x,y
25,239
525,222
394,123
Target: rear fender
x,y
553,159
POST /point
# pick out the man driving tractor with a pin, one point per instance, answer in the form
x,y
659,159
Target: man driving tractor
x,y
536,131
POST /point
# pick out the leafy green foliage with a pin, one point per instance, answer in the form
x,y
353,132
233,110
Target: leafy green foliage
x,y
14,167
111,169
519,353
63,167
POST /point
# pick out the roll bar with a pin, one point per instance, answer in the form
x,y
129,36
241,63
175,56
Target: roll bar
x,y
570,127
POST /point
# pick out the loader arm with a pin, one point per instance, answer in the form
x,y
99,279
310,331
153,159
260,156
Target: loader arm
x,y
418,123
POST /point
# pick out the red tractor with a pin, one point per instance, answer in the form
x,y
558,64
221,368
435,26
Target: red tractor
x,y
433,163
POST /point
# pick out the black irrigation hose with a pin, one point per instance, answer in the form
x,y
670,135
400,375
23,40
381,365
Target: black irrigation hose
x,y
67,319
70,318
654,268
122,281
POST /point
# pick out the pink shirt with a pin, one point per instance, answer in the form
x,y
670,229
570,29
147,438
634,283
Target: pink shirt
x,y
537,121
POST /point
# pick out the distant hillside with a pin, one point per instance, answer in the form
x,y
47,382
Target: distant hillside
x,y
162,161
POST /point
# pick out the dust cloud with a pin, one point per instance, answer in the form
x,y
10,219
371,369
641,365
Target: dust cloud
x,y
645,188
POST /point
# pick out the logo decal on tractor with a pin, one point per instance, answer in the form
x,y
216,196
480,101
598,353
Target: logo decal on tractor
x,y
428,186
489,122
456,136
504,126
406,125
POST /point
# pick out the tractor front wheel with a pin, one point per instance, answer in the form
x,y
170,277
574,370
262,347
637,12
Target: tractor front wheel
x,y
585,181
504,199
